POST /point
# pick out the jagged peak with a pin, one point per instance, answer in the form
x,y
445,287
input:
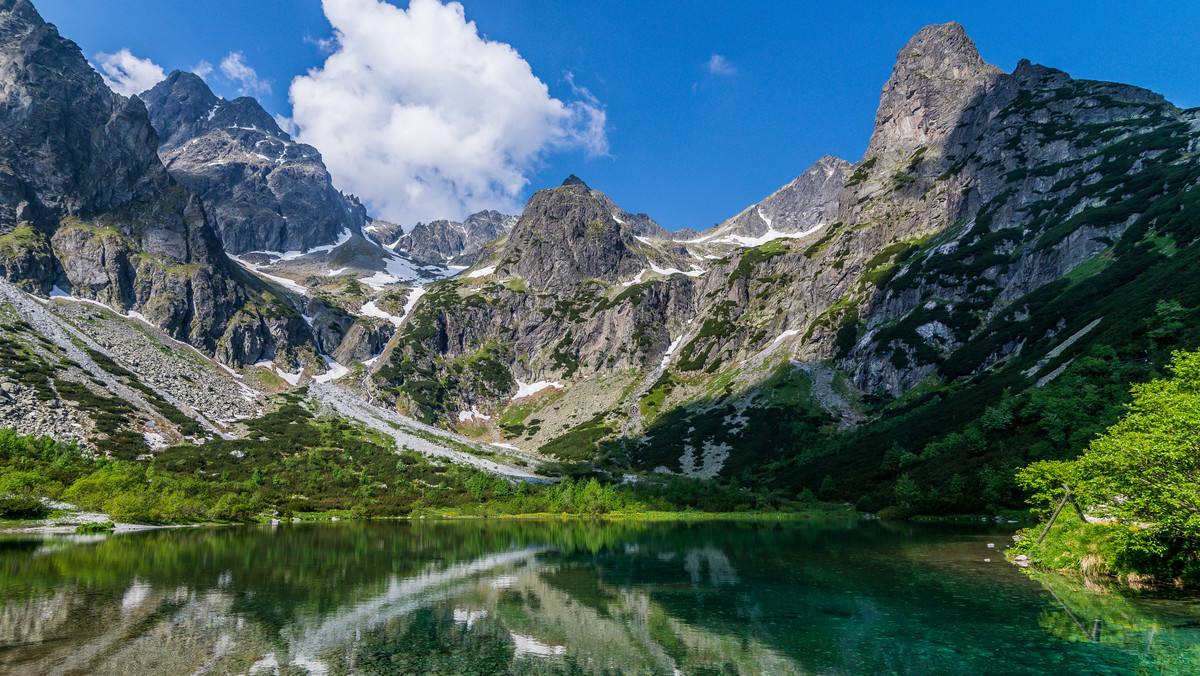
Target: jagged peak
x,y
574,180
24,10
940,50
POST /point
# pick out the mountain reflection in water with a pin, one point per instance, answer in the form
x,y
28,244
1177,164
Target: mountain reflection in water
x,y
568,597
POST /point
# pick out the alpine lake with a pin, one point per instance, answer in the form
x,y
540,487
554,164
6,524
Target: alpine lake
x,y
516,596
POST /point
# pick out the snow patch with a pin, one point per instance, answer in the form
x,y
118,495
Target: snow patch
x,y
482,272
764,218
281,256
636,280
413,297
333,372
785,335
228,370
473,414
670,350
372,310
530,389
292,379
257,269
401,270
694,272
770,235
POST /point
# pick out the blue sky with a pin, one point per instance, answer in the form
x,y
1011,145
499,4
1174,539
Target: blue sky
x,y
689,139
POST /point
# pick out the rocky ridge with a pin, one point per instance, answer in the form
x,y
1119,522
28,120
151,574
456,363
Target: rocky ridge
x,y
443,242
809,202
963,248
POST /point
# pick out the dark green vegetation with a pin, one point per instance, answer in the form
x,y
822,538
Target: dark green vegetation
x,y
491,596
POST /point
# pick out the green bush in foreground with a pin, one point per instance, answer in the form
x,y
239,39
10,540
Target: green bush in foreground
x,y
1143,475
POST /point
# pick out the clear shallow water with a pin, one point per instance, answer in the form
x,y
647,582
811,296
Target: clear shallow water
x,y
522,597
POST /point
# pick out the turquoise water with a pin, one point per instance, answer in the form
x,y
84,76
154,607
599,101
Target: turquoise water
x,y
525,597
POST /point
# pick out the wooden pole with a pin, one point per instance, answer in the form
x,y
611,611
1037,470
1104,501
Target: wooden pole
x,y
1075,504
1052,519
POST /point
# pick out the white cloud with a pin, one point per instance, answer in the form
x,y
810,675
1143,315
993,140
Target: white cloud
x,y
235,68
719,65
588,119
423,118
202,69
286,124
128,75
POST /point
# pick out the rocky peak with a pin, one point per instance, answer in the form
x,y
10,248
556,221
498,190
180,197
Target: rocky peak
x,y
573,180
180,107
86,205
942,51
936,76
51,101
267,192
247,114
573,233
809,201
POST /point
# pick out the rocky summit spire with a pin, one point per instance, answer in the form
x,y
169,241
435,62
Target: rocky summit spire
x,y
574,180
936,76
940,51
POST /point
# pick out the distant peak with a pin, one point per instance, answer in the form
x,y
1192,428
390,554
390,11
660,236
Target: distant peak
x,y
574,180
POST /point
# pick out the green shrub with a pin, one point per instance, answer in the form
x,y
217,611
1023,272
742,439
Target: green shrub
x,y
895,513
22,507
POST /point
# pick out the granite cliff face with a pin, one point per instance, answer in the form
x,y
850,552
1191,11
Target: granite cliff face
x,y
85,205
265,191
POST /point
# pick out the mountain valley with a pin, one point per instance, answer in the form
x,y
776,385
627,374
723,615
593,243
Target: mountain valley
x,y
976,292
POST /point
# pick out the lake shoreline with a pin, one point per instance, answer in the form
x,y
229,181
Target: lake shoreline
x,y
53,525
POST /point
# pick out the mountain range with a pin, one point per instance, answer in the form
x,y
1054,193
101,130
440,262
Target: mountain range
x,y
1003,234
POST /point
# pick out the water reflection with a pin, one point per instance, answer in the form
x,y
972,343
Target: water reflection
x,y
1157,625
510,597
